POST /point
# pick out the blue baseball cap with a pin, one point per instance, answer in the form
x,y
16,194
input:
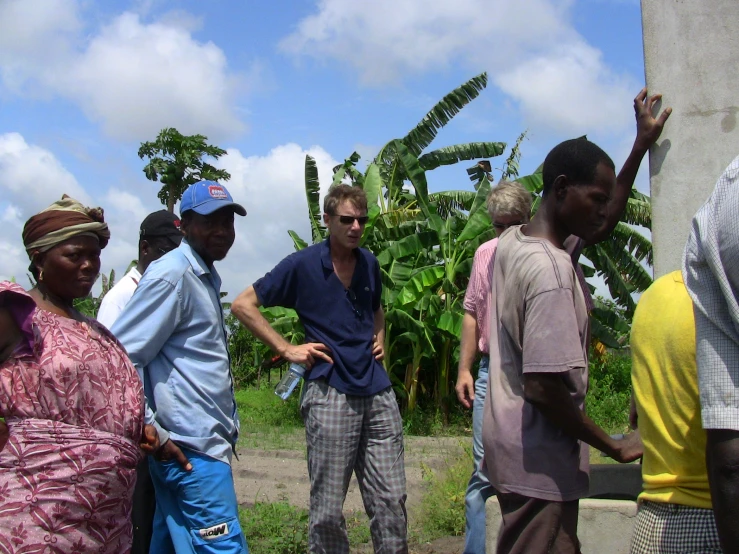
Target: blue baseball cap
x,y
205,197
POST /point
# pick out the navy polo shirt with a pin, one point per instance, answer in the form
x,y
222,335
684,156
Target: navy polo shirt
x,y
342,319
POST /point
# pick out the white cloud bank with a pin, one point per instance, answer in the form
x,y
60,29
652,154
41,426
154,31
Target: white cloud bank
x,y
132,77
529,47
270,187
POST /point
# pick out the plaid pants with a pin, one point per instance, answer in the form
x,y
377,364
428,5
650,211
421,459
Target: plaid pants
x,y
674,529
364,434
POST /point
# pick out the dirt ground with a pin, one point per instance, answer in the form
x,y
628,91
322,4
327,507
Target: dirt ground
x,y
282,475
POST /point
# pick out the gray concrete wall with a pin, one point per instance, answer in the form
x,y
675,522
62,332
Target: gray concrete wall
x,y
691,50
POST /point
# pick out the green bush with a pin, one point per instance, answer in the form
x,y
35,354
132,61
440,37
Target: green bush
x,y
607,401
442,510
275,528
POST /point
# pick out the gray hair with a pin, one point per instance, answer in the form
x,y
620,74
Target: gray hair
x,y
509,198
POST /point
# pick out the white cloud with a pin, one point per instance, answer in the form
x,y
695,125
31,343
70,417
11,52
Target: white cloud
x,y
570,90
131,76
31,177
530,49
270,187
34,36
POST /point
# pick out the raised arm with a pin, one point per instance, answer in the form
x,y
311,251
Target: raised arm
x,y
648,130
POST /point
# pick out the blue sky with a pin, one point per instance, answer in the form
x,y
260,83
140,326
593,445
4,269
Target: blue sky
x,y
82,83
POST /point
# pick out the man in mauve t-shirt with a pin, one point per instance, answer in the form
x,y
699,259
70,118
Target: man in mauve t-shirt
x,y
535,431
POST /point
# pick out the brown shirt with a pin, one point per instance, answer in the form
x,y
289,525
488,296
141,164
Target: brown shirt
x,y
539,324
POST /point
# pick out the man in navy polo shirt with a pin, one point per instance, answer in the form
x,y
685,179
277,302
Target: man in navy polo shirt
x,y
352,421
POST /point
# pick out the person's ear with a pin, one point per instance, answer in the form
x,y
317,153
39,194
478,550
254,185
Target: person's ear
x,y
559,187
326,219
38,259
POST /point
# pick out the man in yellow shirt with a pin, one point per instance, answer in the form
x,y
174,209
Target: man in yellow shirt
x,y
675,513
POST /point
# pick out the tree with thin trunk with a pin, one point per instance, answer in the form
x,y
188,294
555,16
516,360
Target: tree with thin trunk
x,y
176,161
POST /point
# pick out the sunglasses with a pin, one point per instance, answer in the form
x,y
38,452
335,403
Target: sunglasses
x,y
349,219
353,300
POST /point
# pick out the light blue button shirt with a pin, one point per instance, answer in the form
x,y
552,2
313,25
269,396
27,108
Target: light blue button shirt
x,y
173,330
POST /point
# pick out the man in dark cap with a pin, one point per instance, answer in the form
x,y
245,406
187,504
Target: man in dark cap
x,y
159,233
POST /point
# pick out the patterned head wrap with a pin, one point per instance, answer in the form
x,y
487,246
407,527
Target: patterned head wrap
x,y
61,221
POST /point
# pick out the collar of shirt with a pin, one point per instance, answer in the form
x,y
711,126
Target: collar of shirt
x,y
199,267
328,263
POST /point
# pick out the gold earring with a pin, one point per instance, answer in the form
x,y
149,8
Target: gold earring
x,y
41,275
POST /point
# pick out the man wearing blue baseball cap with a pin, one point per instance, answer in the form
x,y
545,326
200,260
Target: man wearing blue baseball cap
x,y
173,330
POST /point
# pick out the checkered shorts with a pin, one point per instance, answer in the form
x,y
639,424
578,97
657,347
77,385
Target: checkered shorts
x,y
674,529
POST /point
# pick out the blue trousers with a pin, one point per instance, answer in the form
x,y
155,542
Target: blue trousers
x,y
196,511
479,488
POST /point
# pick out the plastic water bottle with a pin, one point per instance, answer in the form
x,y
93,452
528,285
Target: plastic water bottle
x,y
289,381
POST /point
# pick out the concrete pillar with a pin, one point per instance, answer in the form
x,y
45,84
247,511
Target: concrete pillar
x,y
691,50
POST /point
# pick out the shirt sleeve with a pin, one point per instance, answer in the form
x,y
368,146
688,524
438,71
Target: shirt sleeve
x,y
551,335
145,325
711,275
279,286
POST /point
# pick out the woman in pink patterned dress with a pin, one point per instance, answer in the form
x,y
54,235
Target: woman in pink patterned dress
x,y
72,401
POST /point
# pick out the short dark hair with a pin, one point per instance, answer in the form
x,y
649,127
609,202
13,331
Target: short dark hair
x,y
339,193
577,159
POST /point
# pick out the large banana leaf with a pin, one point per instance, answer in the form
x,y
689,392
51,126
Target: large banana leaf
x,y
450,201
312,194
415,173
479,220
424,133
453,154
425,280
372,184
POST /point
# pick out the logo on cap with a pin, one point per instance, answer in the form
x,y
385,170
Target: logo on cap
x,y
217,192
177,224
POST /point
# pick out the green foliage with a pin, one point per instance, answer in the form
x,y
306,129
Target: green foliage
x,y
607,401
428,421
442,509
280,528
275,528
176,160
260,406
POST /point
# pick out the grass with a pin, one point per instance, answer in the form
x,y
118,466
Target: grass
x,y
442,511
280,528
268,422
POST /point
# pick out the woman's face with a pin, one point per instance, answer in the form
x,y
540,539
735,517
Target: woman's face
x,y
71,268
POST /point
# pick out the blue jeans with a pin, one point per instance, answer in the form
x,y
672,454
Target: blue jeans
x,y
196,512
479,488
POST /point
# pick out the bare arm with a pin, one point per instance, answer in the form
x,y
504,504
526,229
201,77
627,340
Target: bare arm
x,y
246,309
467,350
648,130
549,394
722,462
